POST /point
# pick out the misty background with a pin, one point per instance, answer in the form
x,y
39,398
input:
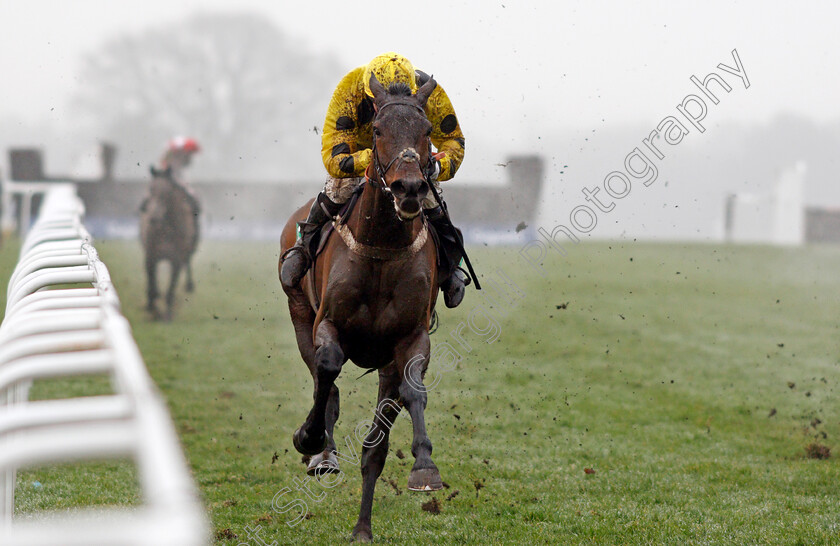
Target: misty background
x,y
579,83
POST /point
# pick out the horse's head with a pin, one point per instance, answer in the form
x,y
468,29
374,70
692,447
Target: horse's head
x,y
160,173
401,144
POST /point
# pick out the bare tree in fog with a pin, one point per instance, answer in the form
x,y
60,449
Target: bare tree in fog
x,y
250,94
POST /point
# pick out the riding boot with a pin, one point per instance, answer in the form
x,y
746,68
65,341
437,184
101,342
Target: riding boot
x,y
449,257
298,259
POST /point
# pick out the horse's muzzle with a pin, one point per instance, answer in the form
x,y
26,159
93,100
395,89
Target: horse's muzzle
x,y
408,208
408,195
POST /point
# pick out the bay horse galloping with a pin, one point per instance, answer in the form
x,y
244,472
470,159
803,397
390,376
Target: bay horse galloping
x,y
169,232
370,296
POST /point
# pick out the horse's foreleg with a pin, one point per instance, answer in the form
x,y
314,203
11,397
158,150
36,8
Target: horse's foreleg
x,y
326,462
151,283
190,285
311,438
173,283
412,358
303,318
375,446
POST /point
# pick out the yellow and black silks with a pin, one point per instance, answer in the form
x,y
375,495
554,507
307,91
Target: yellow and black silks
x,y
348,136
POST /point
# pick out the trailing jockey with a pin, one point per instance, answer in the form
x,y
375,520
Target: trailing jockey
x,y
173,164
178,156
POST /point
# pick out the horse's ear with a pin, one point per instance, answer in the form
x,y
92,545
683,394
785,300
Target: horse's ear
x,y
154,172
426,90
376,88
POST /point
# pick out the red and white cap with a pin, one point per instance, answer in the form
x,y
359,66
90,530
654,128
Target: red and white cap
x,y
184,144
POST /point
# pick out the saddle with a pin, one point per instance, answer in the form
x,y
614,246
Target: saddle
x,y
318,244
446,246
447,241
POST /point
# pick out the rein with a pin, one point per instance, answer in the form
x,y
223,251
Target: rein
x,y
166,174
340,222
410,154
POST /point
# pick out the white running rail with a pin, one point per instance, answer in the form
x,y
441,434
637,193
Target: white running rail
x,y
50,331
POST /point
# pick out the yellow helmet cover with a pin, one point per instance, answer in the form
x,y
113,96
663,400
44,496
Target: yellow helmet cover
x,y
390,68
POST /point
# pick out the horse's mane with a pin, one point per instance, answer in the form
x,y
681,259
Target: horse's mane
x,y
399,89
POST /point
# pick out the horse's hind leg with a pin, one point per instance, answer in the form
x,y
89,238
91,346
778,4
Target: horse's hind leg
x,y
412,358
170,294
312,438
375,446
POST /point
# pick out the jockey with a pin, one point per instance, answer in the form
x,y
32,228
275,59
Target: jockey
x,y
346,142
178,156
175,160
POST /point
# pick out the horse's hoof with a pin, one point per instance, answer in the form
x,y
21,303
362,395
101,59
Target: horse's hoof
x,y
425,479
190,287
320,465
361,534
304,444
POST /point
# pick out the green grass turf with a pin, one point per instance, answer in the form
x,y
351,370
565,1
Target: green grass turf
x,y
660,373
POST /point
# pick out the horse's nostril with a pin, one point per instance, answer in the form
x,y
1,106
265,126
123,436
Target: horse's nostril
x,y
410,206
398,187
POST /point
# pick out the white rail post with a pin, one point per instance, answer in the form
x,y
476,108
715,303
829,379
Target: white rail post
x,y
51,332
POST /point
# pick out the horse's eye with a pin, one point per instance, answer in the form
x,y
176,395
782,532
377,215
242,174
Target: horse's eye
x,y
429,132
377,132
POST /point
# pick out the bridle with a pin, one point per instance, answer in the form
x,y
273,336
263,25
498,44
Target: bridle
x,y
407,155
